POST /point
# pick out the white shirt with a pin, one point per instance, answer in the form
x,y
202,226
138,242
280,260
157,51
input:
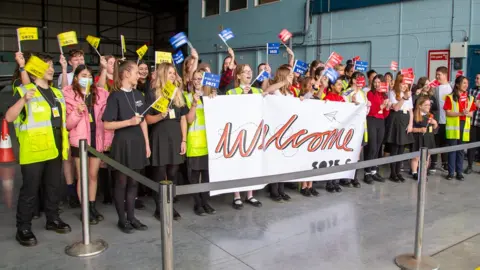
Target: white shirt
x,y
69,79
442,91
278,93
407,104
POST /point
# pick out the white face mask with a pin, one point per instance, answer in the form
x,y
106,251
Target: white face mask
x,y
85,81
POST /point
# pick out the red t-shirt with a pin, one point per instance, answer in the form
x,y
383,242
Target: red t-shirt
x,y
331,96
109,82
377,98
463,103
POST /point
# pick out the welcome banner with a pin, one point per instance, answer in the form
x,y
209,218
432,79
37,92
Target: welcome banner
x,y
271,135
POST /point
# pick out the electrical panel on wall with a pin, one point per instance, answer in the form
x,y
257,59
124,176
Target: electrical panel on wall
x,y
458,50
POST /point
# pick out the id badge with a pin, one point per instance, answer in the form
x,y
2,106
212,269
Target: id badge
x,y
430,129
171,114
55,112
405,111
90,117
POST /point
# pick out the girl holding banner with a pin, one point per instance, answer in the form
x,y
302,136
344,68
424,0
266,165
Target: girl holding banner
x,y
130,145
168,129
399,131
85,107
197,150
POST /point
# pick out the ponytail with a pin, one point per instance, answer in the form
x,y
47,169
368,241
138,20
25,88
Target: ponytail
x,y
119,71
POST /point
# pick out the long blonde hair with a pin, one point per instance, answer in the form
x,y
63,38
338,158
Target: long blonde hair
x,y
207,90
282,75
161,81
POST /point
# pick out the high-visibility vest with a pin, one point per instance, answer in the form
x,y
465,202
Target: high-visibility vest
x,y
239,91
35,132
349,95
197,134
295,91
452,126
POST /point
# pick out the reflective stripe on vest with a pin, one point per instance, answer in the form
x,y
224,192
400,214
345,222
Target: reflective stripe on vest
x,y
197,134
452,127
35,132
239,91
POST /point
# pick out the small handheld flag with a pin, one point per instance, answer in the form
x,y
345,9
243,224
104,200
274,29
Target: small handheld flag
x,y
163,57
360,82
406,71
284,36
210,79
26,33
383,88
263,76
361,66
179,40
124,46
334,60
408,78
225,35
459,73
300,67
94,42
394,66
141,52
332,74
36,66
273,48
66,39
434,84
178,57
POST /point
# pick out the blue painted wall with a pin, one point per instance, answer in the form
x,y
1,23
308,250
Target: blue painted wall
x,y
403,32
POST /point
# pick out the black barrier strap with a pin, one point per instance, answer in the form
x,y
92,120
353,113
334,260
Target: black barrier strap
x,y
453,148
127,171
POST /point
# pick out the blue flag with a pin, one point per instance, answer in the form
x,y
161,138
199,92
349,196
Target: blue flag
x,y
226,34
178,40
361,66
332,74
273,48
300,67
210,79
178,57
263,76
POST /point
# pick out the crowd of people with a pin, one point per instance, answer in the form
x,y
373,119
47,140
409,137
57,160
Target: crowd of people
x,y
106,108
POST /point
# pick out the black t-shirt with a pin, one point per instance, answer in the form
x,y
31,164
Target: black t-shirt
x,y
179,112
122,105
143,87
52,101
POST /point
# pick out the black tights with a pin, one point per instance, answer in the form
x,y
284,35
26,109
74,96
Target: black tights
x,y
125,193
396,149
200,199
167,172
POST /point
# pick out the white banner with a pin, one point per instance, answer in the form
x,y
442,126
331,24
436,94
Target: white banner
x,y
251,136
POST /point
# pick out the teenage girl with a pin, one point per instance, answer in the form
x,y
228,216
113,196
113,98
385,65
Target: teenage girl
x,y
168,131
105,79
143,84
130,145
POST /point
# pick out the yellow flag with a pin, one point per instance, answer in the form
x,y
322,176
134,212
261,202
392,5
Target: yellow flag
x,y
168,90
36,66
87,89
162,57
27,33
161,105
142,51
67,38
124,47
94,41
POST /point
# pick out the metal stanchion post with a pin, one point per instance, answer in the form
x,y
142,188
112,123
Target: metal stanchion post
x,y
86,247
166,221
416,261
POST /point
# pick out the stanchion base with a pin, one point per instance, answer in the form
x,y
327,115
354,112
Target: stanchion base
x,y
80,250
408,262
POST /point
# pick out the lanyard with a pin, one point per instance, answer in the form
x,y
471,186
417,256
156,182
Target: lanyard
x,y
134,108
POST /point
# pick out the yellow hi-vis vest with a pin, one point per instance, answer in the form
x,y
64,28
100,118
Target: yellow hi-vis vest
x,y
197,134
35,132
239,91
349,95
452,126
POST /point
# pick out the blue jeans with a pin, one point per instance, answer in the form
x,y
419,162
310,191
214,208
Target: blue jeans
x,y
455,159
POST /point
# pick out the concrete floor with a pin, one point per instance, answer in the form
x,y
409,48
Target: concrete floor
x,y
356,229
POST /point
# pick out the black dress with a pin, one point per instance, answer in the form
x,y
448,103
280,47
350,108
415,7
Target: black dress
x,y
128,145
423,140
166,135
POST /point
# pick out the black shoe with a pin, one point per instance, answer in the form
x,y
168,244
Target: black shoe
x,y
460,177
356,183
58,226
345,183
237,204
337,187
94,212
314,192
276,198
330,187
139,205
176,215
378,178
401,178
306,192
107,201
199,211
156,215
468,170
253,202
449,176
73,201
209,209
415,176
394,178
37,215
125,227
26,238
368,179
285,197
137,225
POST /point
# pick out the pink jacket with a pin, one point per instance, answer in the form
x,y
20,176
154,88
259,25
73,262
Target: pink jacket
x,y
79,124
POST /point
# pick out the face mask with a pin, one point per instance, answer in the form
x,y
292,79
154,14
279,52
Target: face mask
x,y
84,81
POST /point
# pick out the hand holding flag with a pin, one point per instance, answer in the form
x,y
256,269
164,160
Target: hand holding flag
x,y
225,35
284,36
66,39
26,33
